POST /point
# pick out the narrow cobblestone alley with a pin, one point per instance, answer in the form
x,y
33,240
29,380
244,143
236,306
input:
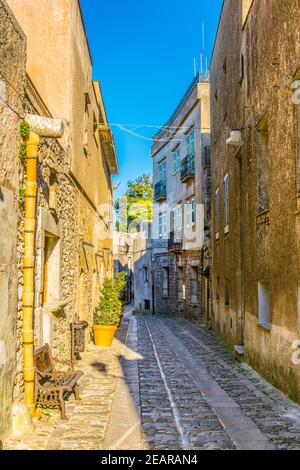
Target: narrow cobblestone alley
x,y
168,384
196,395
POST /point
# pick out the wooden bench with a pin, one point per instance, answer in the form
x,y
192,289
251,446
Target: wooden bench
x,y
52,385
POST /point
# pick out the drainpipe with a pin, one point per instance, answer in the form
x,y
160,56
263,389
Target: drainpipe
x,y
39,127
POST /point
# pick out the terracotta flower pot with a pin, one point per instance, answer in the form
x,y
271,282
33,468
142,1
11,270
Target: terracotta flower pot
x,y
104,334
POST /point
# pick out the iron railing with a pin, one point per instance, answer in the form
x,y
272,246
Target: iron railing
x,y
199,78
175,240
187,168
160,191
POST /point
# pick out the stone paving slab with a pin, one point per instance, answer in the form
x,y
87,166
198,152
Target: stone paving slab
x,y
88,419
274,414
168,384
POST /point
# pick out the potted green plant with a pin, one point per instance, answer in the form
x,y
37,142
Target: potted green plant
x,y
108,313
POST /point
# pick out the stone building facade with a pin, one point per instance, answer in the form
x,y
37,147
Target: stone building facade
x,y
255,74
70,93
12,83
132,254
143,279
181,174
73,236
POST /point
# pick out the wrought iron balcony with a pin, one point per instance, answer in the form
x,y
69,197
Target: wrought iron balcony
x,y
187,168
175,241
160,191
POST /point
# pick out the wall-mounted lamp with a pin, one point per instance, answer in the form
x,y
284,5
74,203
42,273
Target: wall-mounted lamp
x,y
235,139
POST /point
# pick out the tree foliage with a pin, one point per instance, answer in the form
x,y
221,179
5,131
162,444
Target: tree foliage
x,y
136,205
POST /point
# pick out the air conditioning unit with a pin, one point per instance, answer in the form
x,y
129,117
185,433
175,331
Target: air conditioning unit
x,y
235,138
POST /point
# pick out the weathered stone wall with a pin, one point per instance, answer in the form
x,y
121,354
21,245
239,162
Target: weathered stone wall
x,y
226,111
12,79
56,219
189,260
80,230
165,306
259,247
172,305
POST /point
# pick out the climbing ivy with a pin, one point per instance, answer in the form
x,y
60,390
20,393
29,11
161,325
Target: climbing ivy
x,y
22,153
24,133
24,129
21,195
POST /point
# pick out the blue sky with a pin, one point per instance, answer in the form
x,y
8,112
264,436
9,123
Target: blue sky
x,y
143,56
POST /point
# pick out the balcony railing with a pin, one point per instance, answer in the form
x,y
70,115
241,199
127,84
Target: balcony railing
x,y
175,241
160,191
187,168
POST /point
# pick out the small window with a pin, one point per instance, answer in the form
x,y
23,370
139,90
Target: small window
x,y
176,160
190,142
177,220
190,213
165,286
147,304
193,210
162,225
145,274
160,229
226,200
180,287
264,304
194,284
162,167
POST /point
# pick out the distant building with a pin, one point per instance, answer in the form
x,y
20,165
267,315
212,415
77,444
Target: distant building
x,y
255,101
143,278
132,254
181,174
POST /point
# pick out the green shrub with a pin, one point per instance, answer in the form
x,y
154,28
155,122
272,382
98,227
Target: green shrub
x,y
109,310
